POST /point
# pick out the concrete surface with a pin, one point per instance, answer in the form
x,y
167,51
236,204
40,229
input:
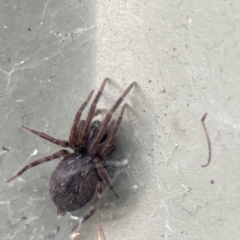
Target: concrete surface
x,y
184,55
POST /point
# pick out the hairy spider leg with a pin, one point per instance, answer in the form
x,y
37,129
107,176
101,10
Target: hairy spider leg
x,y
81,126
94,146
73,134
80,129
94,203
61,153
103,174
107,133
107,147
110,127
61,143
92,112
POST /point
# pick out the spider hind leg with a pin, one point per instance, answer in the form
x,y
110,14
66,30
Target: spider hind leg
x,y
61,153
94,203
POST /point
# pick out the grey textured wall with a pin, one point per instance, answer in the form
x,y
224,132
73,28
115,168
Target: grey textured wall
x,y
184,55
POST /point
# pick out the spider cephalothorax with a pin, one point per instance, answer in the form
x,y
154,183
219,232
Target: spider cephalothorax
x,y
81,173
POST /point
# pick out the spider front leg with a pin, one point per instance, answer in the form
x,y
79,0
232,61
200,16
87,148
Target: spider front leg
x,y
61,153
74,133
82,126
94,145
79,130
61,143
108,146
91,112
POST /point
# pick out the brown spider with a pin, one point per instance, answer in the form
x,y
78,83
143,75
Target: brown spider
x,y
80,174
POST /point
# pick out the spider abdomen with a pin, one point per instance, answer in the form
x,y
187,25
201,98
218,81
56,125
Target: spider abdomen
x,y
73,182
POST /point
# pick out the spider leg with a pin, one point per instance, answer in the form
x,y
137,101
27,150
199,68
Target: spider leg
x,y
109,128
61,143
92,112
73,134
94,203
107,148
93,146
104,140
81,125
61,153
80,130
103,174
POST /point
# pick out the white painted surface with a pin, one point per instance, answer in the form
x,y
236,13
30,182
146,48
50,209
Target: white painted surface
x,y
184,56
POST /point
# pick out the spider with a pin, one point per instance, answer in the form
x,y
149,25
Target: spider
x,y
82,173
